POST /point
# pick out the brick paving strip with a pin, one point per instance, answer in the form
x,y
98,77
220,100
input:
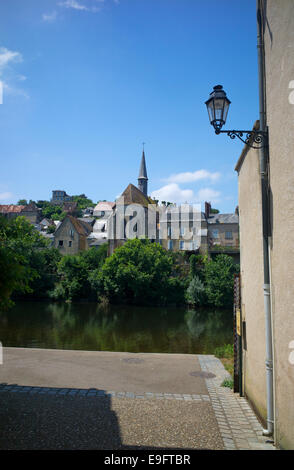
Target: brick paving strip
x,y
238,425
102,393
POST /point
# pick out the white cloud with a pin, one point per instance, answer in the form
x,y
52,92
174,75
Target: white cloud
x,y
7,57
208,194
8,76
173,193
76,5
6,196
49,17
188,176
73,4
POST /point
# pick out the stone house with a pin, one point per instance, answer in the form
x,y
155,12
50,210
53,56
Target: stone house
x,y
30,211
277,34
103,209
71,236
222,233
59,197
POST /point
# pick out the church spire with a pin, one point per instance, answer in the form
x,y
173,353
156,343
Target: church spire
x,y
143,179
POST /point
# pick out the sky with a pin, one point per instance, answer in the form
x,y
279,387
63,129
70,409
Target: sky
x,y
86,82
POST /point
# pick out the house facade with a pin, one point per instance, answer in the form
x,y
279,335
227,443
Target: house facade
x,y
71,236
30,211
59,197
277,20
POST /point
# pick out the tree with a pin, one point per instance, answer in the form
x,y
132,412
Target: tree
x,y
219,280
75,271
19,241
195,293
22,202
139,272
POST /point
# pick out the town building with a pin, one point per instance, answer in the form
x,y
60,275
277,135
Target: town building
x,y
222,233
30,211
267,320
71,236
59,197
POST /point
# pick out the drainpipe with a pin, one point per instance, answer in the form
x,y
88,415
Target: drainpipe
x,y
263,156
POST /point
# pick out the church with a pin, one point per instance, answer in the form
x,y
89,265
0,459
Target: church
x,y
135,214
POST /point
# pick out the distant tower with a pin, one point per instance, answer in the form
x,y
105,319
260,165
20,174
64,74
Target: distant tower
x,y
143,179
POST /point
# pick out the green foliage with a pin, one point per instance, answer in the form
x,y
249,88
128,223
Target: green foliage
x,y
229,383
51,228
83,202
226,351
22,202
195,294
214,211
75,273
44,262
219,281
19,243
139,272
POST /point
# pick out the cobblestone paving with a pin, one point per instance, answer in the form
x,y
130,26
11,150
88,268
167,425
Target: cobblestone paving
x,y
91,392
238,425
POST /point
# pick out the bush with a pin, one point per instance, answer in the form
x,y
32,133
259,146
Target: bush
x,y
139,272
219,281
195,294
226,351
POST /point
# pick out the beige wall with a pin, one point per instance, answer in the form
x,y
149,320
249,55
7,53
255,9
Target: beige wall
x,y
251,266
279,53
279,71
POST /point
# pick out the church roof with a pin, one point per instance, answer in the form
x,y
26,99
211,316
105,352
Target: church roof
x,y
133,195
143,170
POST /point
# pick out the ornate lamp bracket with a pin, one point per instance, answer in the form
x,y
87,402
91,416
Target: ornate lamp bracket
x,y
259,138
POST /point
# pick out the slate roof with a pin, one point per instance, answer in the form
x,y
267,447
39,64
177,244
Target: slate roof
x,y
133,195
223,219
8,208
81,227
143,170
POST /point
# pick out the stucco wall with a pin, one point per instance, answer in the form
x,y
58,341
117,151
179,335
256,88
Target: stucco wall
x,y
279,53
251,265
63,233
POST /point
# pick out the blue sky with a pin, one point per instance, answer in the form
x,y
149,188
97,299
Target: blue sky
x,y
85,82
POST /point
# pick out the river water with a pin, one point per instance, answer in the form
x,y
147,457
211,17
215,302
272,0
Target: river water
x,y
94,327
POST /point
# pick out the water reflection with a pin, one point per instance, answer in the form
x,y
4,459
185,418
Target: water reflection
x,y
90,326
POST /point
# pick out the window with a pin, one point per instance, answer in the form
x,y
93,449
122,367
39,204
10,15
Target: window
x,y
229,235
170,245
181,245
70,243
214,233
169,231
182,231
60,243
71,233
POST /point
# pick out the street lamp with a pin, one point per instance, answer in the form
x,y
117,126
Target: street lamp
x,y
218,106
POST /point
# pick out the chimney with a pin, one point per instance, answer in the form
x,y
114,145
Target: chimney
x,y
207,209
237,210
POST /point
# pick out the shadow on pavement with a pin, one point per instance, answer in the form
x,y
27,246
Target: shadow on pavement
x,y
34,418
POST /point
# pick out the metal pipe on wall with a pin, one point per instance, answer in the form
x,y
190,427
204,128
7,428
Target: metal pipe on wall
x,y
264,161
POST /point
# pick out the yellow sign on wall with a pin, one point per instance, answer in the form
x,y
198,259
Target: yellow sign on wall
x,y
238,321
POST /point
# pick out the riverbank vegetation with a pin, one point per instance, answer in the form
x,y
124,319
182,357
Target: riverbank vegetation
x,y
139,272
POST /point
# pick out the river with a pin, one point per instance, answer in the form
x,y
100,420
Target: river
x,y
94,327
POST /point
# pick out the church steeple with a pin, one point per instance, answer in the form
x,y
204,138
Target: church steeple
x,y
143,179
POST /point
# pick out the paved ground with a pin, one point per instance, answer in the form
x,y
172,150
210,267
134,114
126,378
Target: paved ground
x,y
53,399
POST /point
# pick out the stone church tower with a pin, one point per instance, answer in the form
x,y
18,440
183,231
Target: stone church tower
x,y
143,179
